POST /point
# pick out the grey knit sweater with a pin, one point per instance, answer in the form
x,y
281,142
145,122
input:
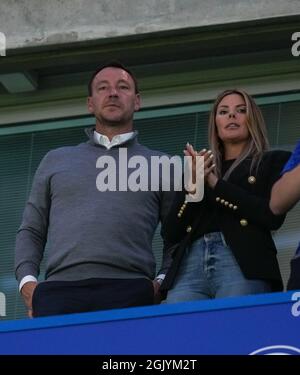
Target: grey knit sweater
x,y
90,233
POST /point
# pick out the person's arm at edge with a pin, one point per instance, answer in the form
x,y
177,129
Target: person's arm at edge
x,y
31,236
286,192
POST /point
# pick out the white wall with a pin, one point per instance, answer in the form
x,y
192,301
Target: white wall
x,y
29,23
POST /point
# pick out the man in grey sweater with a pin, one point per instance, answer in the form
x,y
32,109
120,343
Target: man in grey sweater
x,y
99,230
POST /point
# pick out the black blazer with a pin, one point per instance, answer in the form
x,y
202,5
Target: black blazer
x,y
244,217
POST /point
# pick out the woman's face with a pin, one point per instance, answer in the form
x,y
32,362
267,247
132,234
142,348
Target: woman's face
x,y
231,119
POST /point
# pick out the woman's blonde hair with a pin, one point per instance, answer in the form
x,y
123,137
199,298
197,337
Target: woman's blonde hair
x,y
258,141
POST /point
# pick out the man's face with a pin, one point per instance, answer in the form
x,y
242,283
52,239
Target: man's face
x,y
113,100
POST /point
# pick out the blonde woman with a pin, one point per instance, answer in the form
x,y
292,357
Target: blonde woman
x,y
226,248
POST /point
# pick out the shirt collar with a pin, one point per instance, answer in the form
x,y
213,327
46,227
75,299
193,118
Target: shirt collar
x,y
118,139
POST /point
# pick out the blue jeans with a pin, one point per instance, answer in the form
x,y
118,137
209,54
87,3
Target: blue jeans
x,y
210,270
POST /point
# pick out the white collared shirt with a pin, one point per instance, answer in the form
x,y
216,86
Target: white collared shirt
x,y
103,140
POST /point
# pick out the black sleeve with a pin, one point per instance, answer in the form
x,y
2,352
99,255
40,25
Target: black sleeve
x,y
181,215
254,206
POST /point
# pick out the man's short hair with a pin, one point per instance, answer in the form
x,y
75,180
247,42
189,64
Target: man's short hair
x,y
112,64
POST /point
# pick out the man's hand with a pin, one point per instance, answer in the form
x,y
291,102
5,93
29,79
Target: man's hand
x,y
157,295
27,292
